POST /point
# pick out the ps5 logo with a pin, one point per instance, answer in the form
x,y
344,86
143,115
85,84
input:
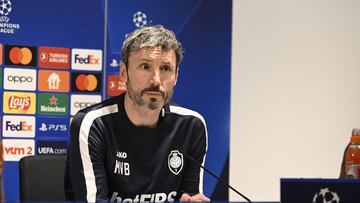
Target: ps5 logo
x,y
52,127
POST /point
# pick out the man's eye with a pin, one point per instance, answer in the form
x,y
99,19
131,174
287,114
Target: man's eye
x,y
165,68
145,66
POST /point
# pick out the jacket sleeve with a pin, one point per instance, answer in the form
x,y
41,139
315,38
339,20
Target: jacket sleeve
x,y
193,175
85,176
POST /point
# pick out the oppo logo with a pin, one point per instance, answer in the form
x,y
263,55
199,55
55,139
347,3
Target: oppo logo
x,y
83,104
19,79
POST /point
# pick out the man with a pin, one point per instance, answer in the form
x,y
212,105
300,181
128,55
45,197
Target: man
x,y
130,148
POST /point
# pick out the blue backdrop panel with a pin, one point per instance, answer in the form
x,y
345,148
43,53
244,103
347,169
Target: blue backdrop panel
x,y
66,23
204,28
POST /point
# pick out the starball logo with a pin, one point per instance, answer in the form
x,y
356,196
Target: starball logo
x,y
7,27
20,55
19,102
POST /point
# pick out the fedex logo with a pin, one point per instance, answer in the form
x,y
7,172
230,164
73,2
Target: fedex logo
x,y
90,59
22,126
86,59
19,126
15,149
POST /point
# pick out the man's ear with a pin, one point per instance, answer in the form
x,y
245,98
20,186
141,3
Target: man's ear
x,y
123,72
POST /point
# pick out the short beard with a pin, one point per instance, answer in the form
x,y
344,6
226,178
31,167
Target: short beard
x,y
135,96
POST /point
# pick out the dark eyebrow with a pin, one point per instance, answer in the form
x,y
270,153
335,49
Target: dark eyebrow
x,y
166,63
162,63
146,60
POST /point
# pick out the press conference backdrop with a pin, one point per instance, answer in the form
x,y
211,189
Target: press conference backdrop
x,y
57,56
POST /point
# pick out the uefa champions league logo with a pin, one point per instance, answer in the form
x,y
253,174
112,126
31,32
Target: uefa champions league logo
x,y
5,7
140,19
326,196
6,26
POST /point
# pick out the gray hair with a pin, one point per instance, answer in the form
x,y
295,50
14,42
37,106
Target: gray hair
x,y
148,37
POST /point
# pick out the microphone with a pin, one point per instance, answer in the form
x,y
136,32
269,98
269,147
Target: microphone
x,y
215,176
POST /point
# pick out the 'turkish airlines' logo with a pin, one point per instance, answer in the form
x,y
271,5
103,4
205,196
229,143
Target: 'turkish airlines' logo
x,y
54,57
115,86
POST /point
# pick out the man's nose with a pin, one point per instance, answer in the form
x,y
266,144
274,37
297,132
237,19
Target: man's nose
x,y
155,80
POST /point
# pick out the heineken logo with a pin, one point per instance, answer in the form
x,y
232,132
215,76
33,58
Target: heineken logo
x,y
53,104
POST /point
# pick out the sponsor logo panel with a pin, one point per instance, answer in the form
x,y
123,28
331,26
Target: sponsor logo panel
x,y
113,63
115,86
51,147
79,102
53,104
18,126
86,82
52,127
15,149
54,81
19,103
19,79
54,57
86,59
1,53
20,55
1,78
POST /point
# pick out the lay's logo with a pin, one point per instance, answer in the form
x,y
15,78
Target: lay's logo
x,y
19,103
86,59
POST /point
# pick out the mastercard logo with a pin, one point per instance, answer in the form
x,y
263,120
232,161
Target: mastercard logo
x,y
20,55
86,82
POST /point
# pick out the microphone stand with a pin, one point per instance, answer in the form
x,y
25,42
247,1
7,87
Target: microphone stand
x,y
215,176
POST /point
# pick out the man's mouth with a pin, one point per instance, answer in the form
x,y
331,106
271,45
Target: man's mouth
x,y
154,93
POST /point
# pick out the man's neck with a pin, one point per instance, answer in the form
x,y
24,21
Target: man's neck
x,y
141,116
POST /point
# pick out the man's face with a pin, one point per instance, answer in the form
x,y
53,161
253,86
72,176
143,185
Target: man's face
x,y
151,77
